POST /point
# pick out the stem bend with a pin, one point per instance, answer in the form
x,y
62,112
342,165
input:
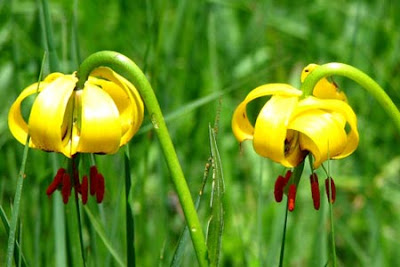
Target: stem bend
x,y
126,67
358,76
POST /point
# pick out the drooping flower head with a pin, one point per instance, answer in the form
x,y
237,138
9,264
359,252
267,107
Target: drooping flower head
x,y
99,118
289,126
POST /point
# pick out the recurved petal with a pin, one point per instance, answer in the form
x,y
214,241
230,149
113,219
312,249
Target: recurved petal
x,y
270,134
16,123
97,128
51,112
321,134
331,120
126,98
241,126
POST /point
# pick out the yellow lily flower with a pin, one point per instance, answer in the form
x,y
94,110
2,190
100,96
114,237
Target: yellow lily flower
x,y
100,118
288,127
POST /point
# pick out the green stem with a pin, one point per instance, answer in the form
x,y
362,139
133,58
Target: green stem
x,y
282,253
297,171
15,211
132,72
358,76
129,219
72,169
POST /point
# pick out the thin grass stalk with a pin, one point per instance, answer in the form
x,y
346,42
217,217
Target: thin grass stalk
x,y
16,205
100,232
48,33
72,166
260,206
6,224
20,245
130,223
282,253
75,52
331,217
18,191
179,252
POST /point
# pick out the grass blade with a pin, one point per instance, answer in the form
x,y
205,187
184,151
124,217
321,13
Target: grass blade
x,y
4,219
130,223
216,221
100,231
180,249
15,211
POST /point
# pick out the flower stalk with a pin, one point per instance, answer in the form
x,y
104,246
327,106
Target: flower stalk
x,y
358,76
126,67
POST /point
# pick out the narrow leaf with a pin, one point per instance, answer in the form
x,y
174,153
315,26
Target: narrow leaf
x,y
100,231
180,249
216,221
17,250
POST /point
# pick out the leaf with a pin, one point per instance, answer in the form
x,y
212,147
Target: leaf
x,y
180,249
216,221
17,252
100,231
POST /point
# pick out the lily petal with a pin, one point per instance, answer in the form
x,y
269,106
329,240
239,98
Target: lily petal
x,y
50,113
16,123
323,125
320,134
270,134
241,126
126,98
97,126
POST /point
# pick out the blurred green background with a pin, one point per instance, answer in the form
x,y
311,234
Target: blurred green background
x,y
202,58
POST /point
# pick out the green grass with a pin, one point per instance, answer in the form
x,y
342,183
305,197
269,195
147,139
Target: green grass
x,y
195,54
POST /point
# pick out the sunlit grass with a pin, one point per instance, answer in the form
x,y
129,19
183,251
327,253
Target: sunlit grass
x,y
195,53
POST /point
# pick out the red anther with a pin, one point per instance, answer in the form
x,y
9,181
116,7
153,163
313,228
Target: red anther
x,y
99,187
278,190
333,189
93,180
66,188
292,197
57,181
287,176
315,190
77,184
84,189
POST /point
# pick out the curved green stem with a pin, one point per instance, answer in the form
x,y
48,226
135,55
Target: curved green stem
x,y
126,67
358,76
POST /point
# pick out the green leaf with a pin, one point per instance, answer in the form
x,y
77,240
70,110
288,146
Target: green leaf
x,y
216,221
180,249
100,231
17,252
